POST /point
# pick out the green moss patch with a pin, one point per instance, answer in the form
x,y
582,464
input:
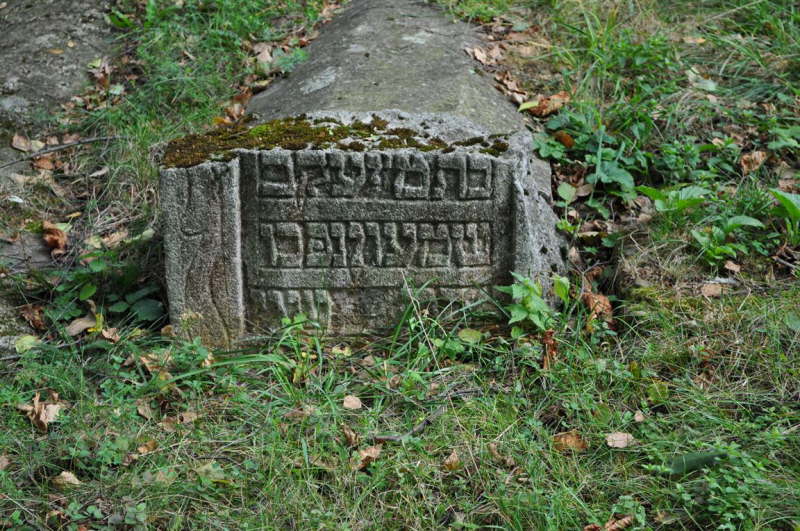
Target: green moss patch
x,y
299,133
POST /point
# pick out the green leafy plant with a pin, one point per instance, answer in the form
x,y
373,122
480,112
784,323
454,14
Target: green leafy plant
x,y
716,243
676,200
789,210
529,306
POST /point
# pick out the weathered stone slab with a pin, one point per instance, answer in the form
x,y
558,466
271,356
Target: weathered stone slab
x,y
392,54
343,231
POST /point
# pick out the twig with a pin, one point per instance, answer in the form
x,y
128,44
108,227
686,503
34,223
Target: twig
x,y
785,263
11,357
53,149
416,430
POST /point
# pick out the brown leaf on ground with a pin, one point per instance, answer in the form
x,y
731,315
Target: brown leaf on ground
x,y
367,456
21,143
507,461
711,290
65,480
111,334
452,462
33,314
45,163
4,462
611,525
350,436
300,413
41,414
550,349
144,409
54,238
545,106
752,161
599,306
638,416
618,525
566,140
149,446
732,266
569,441
81,324
263,51
156,362
351,402
114,239
619,439
169,424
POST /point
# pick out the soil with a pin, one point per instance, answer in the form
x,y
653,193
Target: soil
x,y
45,47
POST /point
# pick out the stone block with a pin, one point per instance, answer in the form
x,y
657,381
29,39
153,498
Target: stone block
x,y
344,232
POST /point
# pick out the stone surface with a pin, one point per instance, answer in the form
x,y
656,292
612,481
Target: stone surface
x,y
45,46
345,236
391,54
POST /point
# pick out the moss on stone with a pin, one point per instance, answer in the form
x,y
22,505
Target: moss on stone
x,y
301,133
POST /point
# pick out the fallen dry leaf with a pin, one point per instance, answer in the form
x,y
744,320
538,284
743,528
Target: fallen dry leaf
x,y
111,334
54,238
618,525
638,416
41,414
619,439
566,140
21,143
33,314
300,413
599,306
507,461
350,436
367,456
453,462
149,446
65,480
144,409
569,441
114,239
81,324
711,290
752,161
732,266
4,462
545,106
693,40
351,402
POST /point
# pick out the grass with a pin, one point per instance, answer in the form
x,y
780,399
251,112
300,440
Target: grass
x,y
159,439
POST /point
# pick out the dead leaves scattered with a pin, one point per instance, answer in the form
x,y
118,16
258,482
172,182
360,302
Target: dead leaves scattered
x,y
54,238
613,524
751,162
41,414
4,462
711,290
351,437
366,456
569,441
351,402
170,424
620,439
34,315
66,480
452,462
543,106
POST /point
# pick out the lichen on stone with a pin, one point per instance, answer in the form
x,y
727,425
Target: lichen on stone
x,y
300,133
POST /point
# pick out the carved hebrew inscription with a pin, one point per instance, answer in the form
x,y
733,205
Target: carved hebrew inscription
x,y
339,235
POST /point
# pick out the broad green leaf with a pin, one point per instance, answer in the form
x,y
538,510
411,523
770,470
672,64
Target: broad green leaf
x,y
24,343
470,335
561,288
652,193
87,291
147,309
119,307
790,203
566,192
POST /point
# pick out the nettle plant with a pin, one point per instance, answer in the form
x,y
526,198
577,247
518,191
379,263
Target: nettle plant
x,y
106,284
529,307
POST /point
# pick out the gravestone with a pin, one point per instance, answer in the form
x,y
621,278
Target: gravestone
x,y
345,212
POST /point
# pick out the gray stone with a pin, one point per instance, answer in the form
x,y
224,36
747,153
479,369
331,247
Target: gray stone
x,y
391,54
347,236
